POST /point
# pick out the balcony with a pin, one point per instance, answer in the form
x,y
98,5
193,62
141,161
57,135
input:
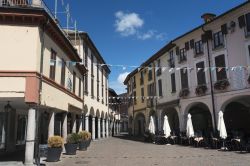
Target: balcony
x,y
171,63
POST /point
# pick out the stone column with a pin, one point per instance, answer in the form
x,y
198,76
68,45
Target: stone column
x,y
103,128
80,123
64,126
87,123
117,127
93,128
107,128
114,128
51,124
30,138
74,123
99,128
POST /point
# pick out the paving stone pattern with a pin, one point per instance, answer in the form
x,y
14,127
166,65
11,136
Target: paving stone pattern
x,y
121,152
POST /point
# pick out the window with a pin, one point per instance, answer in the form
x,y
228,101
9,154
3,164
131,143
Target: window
x,y
142,78
248,24
97,71
159,67
151,89
134,83
220,64
74,82
21,129
171,59
173,84
184,78
102,85
198,47
98,89
2,130
218,39
80,87
150,73
86,84
160,87
183,55
92,64
52,72
135,97
92,87
86,56
201,77
63,73
142,95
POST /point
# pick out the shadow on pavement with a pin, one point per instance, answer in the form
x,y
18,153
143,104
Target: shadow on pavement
x,y
131,138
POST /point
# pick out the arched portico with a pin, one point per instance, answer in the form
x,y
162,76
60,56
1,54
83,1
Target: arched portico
x,y
173,119
139,124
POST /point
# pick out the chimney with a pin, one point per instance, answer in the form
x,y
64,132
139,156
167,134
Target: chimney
x,y
208,17
36,3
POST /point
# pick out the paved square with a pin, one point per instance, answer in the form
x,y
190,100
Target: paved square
x,y
121,152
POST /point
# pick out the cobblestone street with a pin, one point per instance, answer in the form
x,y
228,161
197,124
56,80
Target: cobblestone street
x,y
122,152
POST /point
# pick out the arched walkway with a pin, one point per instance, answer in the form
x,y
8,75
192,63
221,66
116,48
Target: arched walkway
x,y
139,124
201,118
237,116
173,119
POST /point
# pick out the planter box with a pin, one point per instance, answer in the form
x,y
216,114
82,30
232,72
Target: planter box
x,y
54,154
70,148
83,145
89,141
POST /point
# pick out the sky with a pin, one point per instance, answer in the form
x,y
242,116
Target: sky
x,y
128,32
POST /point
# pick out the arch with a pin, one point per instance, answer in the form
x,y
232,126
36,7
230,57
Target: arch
x,y
201,118
173,119
139,124
98,113
92,111
237,115
102,114
85,109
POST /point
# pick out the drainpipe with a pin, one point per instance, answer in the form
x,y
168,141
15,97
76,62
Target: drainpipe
x,y
211,83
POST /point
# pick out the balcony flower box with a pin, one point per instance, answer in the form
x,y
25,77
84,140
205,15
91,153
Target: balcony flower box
x,y
184,92
221,84
200,90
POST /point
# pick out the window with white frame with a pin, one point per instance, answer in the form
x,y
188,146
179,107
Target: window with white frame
x,y
218,39
201,77
220,65
171,59
184,78
198,47
183,55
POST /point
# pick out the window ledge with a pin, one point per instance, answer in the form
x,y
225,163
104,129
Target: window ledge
x,y
219,47
198,55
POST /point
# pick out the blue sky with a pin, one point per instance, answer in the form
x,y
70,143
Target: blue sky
x,y
127,32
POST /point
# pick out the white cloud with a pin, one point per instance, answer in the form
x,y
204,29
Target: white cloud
x,y
144,36
118,85
122,77
127,23
161,36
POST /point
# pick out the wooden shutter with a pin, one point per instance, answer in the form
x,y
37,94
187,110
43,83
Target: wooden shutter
x,y
242,22
192,43
177,49
187,46
224,29
204,38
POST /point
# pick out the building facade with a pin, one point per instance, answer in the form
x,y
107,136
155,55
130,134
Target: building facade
x,y
202,72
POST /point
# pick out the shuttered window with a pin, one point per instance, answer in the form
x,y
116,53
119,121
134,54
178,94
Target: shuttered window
x,y
63,72
74,82
184,78
80,88
173,84
198,47
201,77
142,95
218,39
220,64
160,87
248,24
52,72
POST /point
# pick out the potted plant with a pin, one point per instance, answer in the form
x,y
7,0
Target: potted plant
x,y
83,140
221,84
55,144
72,143
200,90
184,92
89,139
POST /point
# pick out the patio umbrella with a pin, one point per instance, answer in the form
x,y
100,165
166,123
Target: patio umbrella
x,y
221,126
166,127
151,126
3,138
190,129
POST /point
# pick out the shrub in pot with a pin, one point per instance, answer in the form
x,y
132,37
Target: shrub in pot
x,y
89,139
72,143
83,140
55,144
